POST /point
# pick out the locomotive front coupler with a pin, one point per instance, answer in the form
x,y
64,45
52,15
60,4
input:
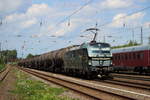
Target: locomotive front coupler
x,y
104,74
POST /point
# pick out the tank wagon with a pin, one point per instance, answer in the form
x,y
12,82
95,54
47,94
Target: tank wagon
x,y
136,58
88,60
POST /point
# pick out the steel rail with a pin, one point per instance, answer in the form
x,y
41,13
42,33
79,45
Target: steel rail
x,y
4,73
96,94
135,77
128,84
3,69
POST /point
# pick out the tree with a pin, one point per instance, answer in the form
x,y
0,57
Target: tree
x,y
131,43
8,55
30,55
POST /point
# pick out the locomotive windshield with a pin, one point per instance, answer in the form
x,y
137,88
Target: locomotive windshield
x,y
98,49
100,54
105,48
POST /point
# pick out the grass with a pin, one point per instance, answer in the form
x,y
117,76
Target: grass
x,y
2,66
28,89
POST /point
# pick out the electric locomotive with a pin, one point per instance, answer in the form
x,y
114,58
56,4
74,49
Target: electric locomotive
x,y
89,59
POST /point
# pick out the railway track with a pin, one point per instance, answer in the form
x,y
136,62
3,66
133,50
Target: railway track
x,y
4,73
138,81
133,77
93,90
129,84
142,82
132,73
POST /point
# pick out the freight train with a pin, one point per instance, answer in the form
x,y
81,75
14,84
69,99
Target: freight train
x,y
136,58
88,60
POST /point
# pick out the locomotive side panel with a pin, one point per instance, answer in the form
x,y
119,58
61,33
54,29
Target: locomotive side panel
x,y
76,59
76,62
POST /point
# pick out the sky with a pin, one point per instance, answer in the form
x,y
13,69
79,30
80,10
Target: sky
x,y
39,26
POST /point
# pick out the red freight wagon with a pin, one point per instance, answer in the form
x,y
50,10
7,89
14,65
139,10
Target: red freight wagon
x,y
136,58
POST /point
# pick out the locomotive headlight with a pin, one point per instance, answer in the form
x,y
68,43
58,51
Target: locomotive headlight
x,y
90,62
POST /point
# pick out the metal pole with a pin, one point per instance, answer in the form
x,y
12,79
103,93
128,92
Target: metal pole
x,y
0,46
141,35
0,51
22,53
133,35
104,39
1,55
149,40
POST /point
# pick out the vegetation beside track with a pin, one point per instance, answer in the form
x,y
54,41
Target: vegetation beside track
x,y
130,44
2,65
29,89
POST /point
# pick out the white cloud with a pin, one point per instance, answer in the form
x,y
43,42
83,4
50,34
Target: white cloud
x,y
122,18
35,35
136,16
32,16
118,20
38,10
119,16
10,5
14,17
28,23
116,3
88,10
64,28
37,13
147,24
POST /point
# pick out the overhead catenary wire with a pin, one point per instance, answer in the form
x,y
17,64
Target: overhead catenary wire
x,y
68,17
87,3
123,17
90,1
130,29
76,11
